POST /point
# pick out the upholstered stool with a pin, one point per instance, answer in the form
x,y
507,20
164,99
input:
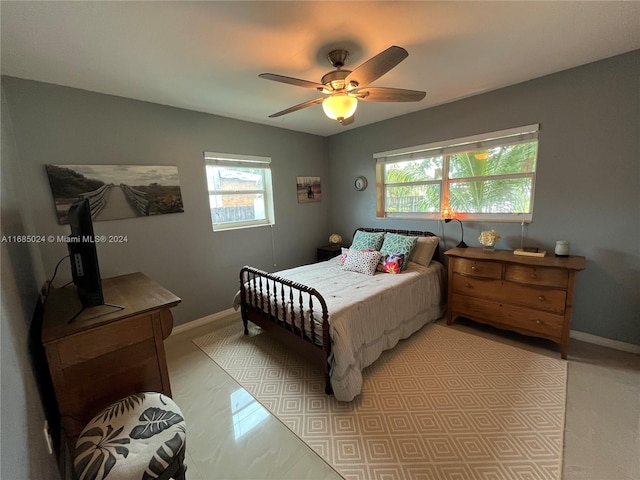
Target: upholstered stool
x,y
140,437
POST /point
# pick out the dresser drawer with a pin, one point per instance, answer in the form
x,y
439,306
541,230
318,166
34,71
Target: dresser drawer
x,y
477,268
103,340
535,297
549,277
530,295
520,319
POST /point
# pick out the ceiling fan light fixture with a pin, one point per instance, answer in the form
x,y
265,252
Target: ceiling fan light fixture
x,y
344,88
339,106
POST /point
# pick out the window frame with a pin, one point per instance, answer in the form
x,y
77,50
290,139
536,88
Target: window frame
x,y
214,159
446,149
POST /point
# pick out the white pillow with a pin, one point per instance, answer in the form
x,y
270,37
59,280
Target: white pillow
x,y
424,249
362,262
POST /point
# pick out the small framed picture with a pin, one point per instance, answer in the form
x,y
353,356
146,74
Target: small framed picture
x,y
309,189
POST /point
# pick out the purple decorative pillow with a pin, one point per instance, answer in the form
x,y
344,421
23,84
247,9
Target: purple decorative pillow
x,y
392,263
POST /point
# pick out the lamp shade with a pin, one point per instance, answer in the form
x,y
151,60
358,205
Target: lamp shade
x,y
339,106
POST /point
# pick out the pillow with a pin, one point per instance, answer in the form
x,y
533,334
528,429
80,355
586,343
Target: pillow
x,y
345,252
394,243
423,251
367,240
392,263
362,262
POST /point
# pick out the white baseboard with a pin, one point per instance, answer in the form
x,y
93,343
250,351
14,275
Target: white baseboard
x,y
605,342
202,321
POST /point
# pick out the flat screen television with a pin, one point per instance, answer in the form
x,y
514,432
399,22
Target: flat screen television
x,y
83,255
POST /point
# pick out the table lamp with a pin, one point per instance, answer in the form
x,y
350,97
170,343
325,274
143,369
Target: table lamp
x,y
461,244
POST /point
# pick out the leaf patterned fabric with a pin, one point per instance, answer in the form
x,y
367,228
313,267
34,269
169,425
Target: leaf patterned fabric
x,y
155,420
121,406
394,244
142,433
96,451
163,457
367,240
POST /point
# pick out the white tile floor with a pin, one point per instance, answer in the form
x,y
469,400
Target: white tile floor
x,y
602,439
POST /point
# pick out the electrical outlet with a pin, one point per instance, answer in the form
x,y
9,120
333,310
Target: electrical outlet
x,y
47,437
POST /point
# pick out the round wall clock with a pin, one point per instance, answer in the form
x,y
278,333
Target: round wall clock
x,y
361,183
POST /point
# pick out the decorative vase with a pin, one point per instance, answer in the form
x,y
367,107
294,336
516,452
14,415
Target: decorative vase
x,y
488,239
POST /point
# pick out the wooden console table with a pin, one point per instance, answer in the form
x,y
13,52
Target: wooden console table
x,y
106,353
529,295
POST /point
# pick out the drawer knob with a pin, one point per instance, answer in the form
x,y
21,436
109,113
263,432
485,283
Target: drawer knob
x,y
533,275
474,268
468,285
541,298
538,322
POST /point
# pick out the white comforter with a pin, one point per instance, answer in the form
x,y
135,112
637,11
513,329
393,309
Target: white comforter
x,y
370,314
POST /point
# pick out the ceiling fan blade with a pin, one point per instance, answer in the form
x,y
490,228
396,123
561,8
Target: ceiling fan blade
x,y
348,121
292,81
385,94
295,108
377,66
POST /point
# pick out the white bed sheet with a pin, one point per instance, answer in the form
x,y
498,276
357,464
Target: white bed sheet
x,y
370,313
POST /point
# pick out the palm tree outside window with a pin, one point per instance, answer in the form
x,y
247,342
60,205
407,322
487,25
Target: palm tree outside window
x,y
482,177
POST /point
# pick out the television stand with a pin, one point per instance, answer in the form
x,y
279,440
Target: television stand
x,y
97,360
99,314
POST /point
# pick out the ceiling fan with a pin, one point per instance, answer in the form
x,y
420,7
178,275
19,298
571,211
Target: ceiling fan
x,y
343,88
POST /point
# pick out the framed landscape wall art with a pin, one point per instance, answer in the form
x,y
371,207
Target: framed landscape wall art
x,y
309,189
116,191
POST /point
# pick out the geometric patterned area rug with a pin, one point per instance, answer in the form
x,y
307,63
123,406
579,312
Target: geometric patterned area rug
x,y
443,404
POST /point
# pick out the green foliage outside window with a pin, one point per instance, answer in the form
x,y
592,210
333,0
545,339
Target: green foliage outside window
x,y
478,186
414,186
497,180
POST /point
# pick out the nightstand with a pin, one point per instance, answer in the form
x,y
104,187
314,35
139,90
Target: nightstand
x,y
328,252
529,295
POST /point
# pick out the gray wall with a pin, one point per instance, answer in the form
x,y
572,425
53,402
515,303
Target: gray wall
x,y
24,453
587,192
59,125
587,187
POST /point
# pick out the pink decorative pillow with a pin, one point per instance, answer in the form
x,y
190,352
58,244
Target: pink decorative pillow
x,y
392,263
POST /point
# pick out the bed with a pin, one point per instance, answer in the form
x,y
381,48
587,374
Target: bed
x,y
344,319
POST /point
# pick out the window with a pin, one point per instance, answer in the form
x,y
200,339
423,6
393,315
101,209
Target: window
x,y
247,413
483,177
240,193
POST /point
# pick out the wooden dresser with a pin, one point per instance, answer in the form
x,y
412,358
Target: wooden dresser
x,y
106,353
529,295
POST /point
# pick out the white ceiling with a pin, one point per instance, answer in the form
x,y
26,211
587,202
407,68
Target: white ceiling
x,y
206,56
